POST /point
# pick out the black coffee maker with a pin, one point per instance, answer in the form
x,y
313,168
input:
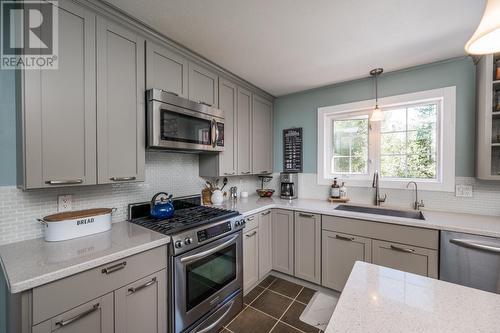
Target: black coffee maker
x,y
289,185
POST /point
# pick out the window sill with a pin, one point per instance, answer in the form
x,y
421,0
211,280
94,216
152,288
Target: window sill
x,y
392,184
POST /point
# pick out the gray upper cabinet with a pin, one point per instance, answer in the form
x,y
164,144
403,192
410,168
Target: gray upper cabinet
x,y
308,246
166,69
262,136
141,306
283,242
58,117
203,85
227,103
244,135
120,104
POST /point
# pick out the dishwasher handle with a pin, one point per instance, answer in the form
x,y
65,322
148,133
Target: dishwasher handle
x,y
473,245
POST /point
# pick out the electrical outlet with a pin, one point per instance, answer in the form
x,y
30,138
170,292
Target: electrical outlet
x,y
463,191
64,202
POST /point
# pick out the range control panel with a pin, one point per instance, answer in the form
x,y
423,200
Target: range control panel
x,y
214,231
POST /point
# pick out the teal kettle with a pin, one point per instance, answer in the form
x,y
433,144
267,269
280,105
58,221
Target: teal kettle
x,y
161,206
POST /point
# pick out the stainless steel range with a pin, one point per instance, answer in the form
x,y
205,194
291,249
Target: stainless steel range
x,y
205,263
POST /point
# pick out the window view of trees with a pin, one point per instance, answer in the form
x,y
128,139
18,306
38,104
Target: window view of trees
x,y
350,145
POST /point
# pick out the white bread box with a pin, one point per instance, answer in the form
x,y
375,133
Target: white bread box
x,y
74,224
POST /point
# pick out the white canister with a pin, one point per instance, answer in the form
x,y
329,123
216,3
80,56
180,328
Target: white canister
x,y
217,197
69,225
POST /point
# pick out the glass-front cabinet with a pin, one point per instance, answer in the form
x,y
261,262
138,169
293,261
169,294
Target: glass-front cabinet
x,y
488,117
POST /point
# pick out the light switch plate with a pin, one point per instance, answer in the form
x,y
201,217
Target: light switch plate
x,y
64,202
463,191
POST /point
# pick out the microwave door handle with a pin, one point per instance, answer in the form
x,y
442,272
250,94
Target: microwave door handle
x,y
210,251
213,133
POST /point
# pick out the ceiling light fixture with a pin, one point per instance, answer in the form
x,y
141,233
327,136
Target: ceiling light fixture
x,y
486,38
377,114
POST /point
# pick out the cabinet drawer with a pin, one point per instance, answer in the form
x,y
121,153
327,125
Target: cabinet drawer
x,y
391,232
252,222
54,298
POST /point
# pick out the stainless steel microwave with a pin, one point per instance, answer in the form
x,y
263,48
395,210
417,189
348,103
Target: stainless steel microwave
x,y
177,123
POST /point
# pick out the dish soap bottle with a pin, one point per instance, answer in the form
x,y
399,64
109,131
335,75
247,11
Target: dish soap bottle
x,y
335,189
343,191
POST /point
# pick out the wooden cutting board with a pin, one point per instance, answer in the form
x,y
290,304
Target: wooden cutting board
x,y
77,214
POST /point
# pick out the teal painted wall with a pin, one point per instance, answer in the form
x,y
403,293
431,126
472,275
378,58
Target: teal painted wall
x,y
300,109
7,128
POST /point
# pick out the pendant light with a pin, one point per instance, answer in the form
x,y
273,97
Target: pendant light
x,y
377,114
486,38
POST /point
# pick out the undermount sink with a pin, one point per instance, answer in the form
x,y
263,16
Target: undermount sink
x,y
416,215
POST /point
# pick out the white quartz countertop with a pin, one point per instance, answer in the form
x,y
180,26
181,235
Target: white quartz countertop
x,y
380,299
467,223
35,262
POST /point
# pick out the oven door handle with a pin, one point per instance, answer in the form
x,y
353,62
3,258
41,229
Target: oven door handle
x,y
209,252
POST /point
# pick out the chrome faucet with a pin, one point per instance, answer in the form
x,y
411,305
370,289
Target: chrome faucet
x,y
375,185
416,205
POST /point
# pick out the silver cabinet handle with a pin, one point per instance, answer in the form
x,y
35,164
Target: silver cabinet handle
x,y
205,103
121,179
229,173
265,171
266,213
350,239
251,218
145,285
170,92
401,249
251,235
63,323
209,252
306,215
64,182
245,172
114,268
476,246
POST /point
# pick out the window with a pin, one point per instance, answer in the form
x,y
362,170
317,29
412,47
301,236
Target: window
x,y
414,142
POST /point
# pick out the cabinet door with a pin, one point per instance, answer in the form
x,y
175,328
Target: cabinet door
x,y
265,243
262,136
95,316
141,306
120,104
166,69
59,128
282,236
244,132
339,253
406,258
227,103
307,247
203,85
250,259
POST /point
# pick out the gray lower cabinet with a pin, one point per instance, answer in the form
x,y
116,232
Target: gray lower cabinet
x,y
250,258
406,258
307,246
262,136
166,69
339,253
95,316
283,241
203,85
57,122
120,104
141,305
265,243
244,132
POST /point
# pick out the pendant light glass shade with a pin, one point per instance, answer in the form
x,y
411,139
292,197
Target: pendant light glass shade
x,y
486,39
377,114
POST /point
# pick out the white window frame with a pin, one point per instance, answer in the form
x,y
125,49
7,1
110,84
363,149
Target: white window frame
x,y
445,180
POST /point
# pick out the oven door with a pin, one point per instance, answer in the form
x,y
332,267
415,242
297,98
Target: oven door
x,y
205,277
175,127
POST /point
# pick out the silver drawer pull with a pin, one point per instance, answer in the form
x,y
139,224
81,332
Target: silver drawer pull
x,y
266,213
121,179
229,173
306,215
64,182
114,268
205,103
245,172
170,92
476,246
350,239
251,235
265,171
401,249
145,285
63,323
250,218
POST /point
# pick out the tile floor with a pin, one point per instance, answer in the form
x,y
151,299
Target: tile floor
x,y
275,305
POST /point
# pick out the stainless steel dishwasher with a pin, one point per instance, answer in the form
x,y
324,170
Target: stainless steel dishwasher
x,y
470,260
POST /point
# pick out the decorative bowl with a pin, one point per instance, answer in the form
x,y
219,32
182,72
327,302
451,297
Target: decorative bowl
x,y
265,193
